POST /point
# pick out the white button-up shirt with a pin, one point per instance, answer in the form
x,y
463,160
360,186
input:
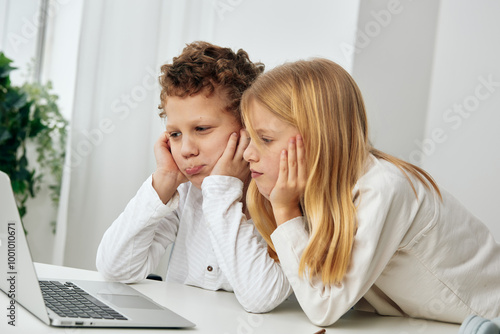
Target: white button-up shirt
x,y
419,257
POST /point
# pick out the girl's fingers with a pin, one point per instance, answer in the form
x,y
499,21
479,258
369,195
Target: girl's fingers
x,y
283,172
292,163
301,163
292,177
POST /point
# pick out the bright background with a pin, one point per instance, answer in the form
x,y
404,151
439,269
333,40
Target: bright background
x,y
428,69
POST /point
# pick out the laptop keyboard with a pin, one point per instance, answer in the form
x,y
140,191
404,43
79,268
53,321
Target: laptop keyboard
x,y
68,300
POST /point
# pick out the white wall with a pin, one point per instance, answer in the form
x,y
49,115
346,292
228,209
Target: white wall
x,y
465,112
392,65
61,51
277,31
19,22
416,68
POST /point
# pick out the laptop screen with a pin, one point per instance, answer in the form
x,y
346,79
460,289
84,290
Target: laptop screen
x,y
21,283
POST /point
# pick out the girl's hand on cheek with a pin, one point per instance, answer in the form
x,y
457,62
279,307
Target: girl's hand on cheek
x,y
167,176
290,186
231,162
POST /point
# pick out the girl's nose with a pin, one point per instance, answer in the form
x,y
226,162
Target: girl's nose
x,y
250,153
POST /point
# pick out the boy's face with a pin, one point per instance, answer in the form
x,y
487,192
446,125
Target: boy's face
x,y
199,129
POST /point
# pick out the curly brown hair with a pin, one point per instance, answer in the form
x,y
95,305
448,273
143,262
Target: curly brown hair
x,y
206,67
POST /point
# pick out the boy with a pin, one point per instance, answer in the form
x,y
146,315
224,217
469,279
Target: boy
x,y
194,198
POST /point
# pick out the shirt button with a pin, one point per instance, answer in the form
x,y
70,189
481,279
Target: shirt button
x,y
209,268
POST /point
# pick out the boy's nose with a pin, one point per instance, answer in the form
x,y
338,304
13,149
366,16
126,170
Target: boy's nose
x,y
189,147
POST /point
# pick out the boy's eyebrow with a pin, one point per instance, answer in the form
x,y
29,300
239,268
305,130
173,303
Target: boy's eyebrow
x,y
197,121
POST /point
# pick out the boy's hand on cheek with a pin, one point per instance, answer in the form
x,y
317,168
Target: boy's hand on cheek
x,y
231,162
290,186
167,176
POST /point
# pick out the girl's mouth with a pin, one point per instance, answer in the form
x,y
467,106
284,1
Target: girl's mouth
x,y
255,174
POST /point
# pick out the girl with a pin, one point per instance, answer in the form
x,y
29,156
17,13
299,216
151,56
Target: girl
x,y
193,199
352,225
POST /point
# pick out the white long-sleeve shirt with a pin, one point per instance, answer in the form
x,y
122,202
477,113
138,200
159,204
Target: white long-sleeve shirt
x,y
215,247
412,257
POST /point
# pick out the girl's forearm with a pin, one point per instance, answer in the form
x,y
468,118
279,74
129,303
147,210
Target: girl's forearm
x,y
285,214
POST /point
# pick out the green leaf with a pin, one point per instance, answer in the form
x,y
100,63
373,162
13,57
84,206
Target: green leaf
x,y
15,99
5,67
4,135
29,115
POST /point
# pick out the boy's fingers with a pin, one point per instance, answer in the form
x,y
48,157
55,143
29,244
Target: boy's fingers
x,y
231,146
242,144
162,143
162,138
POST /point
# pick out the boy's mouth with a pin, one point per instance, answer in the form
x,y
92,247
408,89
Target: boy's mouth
x,y
194,170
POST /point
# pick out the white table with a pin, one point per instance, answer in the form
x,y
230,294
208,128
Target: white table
x,y
220,313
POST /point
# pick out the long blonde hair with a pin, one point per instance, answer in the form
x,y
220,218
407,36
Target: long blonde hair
x,y
323,102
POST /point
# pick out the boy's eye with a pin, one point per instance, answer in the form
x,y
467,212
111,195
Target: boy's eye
x,y
202,128
174,134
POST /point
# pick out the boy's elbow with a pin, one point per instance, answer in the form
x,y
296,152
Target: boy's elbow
x,y
106,272
259,303
103,266
114,274
251,308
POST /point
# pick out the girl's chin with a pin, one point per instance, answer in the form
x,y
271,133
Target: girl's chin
x,y
264,192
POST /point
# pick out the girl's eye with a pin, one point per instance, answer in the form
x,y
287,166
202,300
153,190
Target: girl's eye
x,y
266,140
202,128
174,134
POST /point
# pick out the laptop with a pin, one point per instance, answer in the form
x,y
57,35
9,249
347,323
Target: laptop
x,y
64,303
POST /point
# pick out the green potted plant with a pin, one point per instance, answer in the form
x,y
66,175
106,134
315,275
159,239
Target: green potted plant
x,y
30,117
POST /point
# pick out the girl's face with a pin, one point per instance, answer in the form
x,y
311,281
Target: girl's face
x,y
198,129
263,153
